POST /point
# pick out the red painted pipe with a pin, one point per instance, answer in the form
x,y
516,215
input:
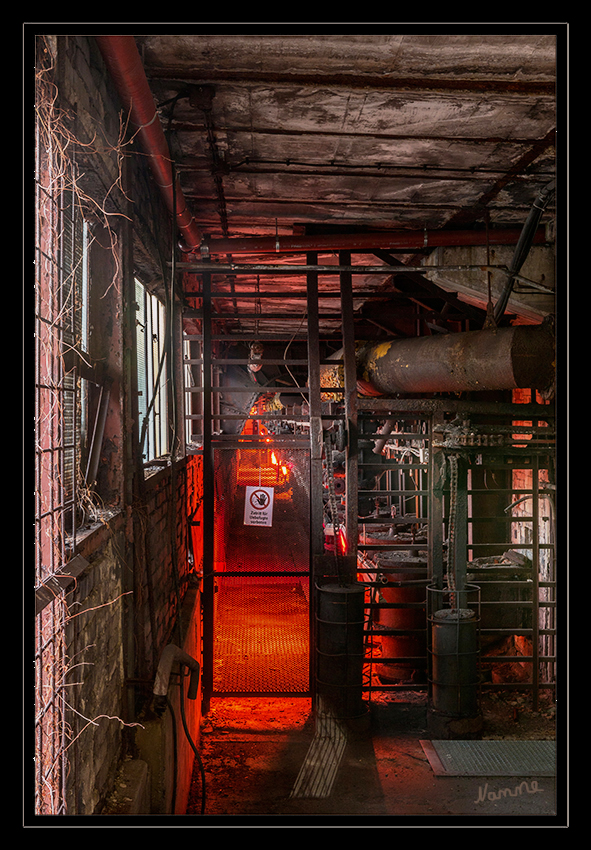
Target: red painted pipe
x,y
123,61
386,241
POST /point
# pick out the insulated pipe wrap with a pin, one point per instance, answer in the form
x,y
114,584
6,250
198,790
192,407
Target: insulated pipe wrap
x,y
492,359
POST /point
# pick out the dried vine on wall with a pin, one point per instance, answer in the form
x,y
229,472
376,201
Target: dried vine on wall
x,y
61,492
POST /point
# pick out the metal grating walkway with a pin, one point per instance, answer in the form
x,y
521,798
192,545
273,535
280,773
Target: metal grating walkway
x,y
491,758
262,642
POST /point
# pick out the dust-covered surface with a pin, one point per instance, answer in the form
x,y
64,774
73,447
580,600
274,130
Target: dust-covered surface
x,y
252,750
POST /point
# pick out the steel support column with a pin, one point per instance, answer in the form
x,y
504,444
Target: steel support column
x,y
317,556
208,500
436,481
316,435
350,373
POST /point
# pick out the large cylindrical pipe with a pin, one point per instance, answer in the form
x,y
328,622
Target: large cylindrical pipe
x,y
386,241
123,61
491,359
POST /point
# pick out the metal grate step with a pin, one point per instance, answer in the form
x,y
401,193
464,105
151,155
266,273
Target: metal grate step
x,y
491,758
262,643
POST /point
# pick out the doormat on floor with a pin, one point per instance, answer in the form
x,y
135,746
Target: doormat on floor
x,y
491,758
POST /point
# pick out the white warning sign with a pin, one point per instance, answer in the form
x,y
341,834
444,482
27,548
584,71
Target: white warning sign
x,y
258,506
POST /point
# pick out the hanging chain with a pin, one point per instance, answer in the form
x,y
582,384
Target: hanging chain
x,y
332,501
257,310
451,545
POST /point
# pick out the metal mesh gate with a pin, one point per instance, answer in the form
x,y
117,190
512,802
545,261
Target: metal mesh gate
x,y
261,599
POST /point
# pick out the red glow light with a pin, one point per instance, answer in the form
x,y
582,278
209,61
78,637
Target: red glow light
x,y
342,541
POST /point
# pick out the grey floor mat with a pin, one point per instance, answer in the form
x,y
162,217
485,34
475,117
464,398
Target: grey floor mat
x,y
491,758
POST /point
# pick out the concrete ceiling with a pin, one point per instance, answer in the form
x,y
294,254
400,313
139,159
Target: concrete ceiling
x,y
305,134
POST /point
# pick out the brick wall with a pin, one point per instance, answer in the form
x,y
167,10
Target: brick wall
x,y
174,581
98,605
164,562
166,548
95,670
123,609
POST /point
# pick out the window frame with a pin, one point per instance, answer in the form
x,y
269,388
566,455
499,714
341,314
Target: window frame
x,y
153,385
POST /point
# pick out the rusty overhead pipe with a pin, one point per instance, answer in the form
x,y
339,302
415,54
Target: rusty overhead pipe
x,y
492,359
124,64
402,240
498,358
524,243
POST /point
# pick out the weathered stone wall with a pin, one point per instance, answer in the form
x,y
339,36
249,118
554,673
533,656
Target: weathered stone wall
x,y
124,608
95,673
166,551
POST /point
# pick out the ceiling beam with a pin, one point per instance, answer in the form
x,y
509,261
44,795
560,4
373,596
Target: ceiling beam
x,y
203,76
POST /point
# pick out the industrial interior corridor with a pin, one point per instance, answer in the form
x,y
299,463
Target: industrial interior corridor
x,y
262,621
297,391
261,565
268,750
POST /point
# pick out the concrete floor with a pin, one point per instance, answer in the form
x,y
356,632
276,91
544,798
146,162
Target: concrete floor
x,y
253,750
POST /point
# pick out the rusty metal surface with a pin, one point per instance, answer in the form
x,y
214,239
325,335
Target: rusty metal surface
x,y
494,359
